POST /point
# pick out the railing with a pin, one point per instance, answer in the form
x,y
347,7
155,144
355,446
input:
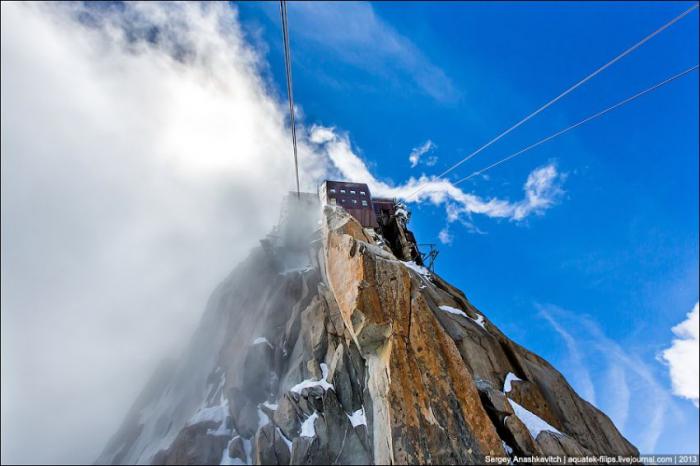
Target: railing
x,y
430,256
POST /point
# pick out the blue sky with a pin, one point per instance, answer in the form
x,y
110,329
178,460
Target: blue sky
x,y
596,281
584,250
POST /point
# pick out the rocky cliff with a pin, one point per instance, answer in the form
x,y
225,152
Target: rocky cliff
x,y
327,345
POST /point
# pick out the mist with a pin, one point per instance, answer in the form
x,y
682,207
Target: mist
x,y
136,172
144,153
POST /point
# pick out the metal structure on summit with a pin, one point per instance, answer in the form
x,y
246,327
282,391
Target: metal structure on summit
x,y
430,256
386,217
290,93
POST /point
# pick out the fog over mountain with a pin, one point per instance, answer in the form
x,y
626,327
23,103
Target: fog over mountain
x,y
144,154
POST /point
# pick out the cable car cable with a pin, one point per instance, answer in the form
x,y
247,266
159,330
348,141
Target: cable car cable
x,y
585,120
290,94
567,91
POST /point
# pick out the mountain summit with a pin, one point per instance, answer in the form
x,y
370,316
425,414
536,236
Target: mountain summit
x,y
331,344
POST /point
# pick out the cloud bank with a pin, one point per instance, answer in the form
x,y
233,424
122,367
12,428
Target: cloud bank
x,y
142,157
137,169
683,357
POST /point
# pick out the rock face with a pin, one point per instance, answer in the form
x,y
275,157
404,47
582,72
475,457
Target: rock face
x,y
336,350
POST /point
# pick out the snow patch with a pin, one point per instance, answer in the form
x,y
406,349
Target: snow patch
x,y
221,431
510,377
402,212
532,421
211,414
380,252
509,450
358,418
262,340
272,406
262,418
453,310
417,268
226,459
307,427
285,439
218,414
248,448
479,321
323,383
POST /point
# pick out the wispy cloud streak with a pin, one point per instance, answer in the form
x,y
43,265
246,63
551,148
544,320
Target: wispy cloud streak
x,y
640,405
355,34
582,377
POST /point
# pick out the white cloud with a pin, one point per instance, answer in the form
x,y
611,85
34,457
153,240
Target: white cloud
x,y
445,237
418,152
683,357
542,189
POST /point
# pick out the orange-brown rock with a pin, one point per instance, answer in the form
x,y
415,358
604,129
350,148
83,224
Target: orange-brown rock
x,y
332,349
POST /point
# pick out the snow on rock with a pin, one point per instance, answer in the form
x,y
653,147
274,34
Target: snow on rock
x,y
307,427
480,321
272,406
226,459
217,413
221,431
402,212
510,377
324,370
284,439
323,383
262,418
532,421
422,271
453,310
211,414
507,448
358,418
262,340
